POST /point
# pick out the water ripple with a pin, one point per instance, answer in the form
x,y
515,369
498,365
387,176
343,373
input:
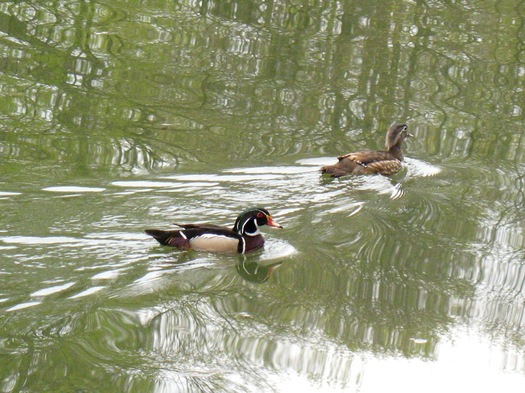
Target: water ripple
x,y
52,290
295,194
8,193
22,306
418,168
87,292
73,189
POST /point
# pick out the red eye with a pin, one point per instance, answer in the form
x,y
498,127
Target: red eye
x,y
260,215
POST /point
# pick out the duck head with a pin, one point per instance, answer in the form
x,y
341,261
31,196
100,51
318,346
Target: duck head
x,y
250,220
395,135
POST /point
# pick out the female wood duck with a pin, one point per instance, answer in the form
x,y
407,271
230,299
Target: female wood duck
x,y
369,161
244,237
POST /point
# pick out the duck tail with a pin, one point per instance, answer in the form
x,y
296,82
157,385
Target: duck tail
x,y
168,238
333,171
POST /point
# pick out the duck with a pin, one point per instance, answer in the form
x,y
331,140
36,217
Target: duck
x,y
243,238
383,162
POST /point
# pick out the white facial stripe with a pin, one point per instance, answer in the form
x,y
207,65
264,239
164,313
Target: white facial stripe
x,y
243,225
243,250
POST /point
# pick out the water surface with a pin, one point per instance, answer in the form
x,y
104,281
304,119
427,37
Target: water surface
x,y
120,116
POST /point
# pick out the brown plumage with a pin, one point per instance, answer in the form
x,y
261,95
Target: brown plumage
x,y
369,161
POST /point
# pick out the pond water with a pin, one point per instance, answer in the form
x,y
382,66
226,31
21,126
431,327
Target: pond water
x,y
126,115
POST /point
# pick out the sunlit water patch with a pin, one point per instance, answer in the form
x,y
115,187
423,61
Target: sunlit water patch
x,y
87,292
470,362
8,193
108,274
23,305
159,184
73,189
52,290
225,178
281,170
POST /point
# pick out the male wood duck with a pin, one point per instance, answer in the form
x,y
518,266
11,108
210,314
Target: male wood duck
x,y
244,237
370,161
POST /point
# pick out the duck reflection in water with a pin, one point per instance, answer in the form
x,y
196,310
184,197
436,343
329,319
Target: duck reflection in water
x,y
256,272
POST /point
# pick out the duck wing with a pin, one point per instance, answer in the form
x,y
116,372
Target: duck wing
x,y
384,167
371,162
211,227
202,237
366,157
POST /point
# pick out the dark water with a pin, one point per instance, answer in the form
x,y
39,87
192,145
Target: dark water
x,y
121,116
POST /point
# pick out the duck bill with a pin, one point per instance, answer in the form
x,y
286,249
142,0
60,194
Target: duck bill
x,y
272,223
410,135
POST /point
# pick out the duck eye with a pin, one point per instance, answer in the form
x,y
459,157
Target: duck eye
x,y
260,215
